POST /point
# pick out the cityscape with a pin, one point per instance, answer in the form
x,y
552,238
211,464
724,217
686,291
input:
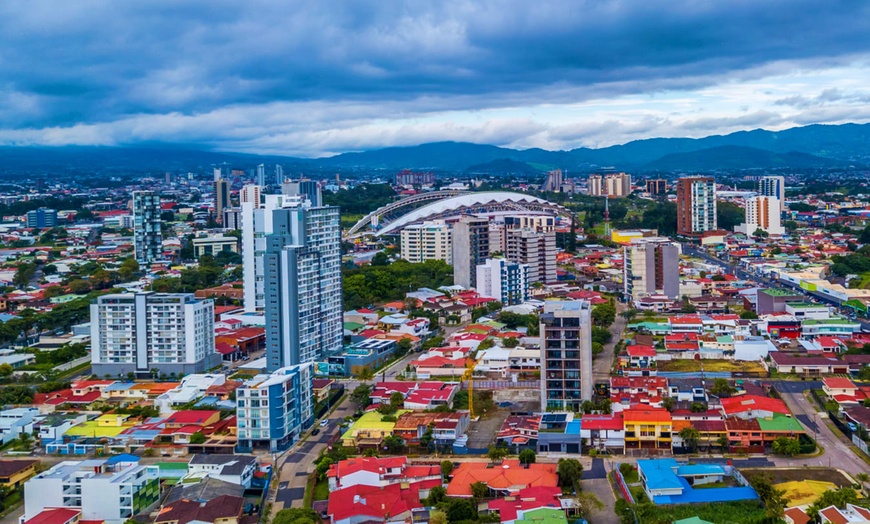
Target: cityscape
x,y
352,263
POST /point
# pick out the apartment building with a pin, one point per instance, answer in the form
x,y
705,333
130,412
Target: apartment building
x,y
696,205
507,282
536,249
141,332
427,241
147,232
761,212
470,249
651,267
566,360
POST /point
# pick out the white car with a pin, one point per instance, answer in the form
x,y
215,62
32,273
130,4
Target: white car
x,y
324,422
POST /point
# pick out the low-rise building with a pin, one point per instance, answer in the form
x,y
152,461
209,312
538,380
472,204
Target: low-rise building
x,y
235,469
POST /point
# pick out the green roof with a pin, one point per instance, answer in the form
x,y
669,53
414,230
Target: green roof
x,y
652,326
172,465
372,420
495,325
724,339
804,305
693,520
778,292
353,326
543,516
832,320
779,422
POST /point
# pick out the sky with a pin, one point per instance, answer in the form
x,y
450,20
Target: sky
x,y
317,78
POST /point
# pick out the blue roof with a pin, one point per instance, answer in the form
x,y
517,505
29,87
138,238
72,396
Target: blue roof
x,y
119,386
705,495
6,317
123,457
700,469
572,428
207,401
659,473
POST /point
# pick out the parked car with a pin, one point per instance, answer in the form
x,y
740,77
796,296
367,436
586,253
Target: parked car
x,y
316,431
324,422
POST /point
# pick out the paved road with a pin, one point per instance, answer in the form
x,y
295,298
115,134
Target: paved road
x,y
837,452
602,363
296,464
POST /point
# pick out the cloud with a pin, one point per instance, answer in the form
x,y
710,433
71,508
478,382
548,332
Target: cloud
x,y
319,77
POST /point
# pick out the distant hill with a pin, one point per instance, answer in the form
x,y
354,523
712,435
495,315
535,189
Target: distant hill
x,y
504,166
814,145
737,157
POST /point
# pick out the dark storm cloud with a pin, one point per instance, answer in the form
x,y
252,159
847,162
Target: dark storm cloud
x,y
96,62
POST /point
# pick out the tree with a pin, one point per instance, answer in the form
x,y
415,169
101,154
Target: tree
x,y
197,438
721,388
53,291
79,287
396,400
587,505
365,374
604,314
774,499
436,516
697,407
6,370
510,342
403,346
690,437
436,494
788,447
723,442
834,497
296,516
394,443
446,469
496,453
380,259
527,456
23,275
361,395
460,509
863,478
128,268
668,403
748,315
569,472
479,490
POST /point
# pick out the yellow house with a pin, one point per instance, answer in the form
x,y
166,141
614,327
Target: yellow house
x,y
13,473
369,430
647,428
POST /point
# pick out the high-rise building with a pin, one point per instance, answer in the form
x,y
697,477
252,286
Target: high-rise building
x,y
554,181
773,186
761,212
651,266
261,175
251,193
105,490
279,174
41,218
406,177
566,354
470,249
305,188
658,186
273,410
221,197
147,233
539,223
696,205
613,184
140,332
427,241
507,282
302,284
537,249
232,218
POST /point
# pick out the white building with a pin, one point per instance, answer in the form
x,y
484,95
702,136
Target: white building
x,y
427,241
15,421
105,489
537,249
652,267
191,388
141,332
773,186
273,410
507,282
761,212
235,469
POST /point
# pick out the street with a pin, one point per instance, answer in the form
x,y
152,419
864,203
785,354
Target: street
x,y
602,363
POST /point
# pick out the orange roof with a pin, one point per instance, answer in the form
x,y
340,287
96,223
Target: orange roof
x,y
508,476
839,383
646,415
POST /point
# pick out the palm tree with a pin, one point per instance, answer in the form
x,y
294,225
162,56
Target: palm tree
x,y
366,374
863,478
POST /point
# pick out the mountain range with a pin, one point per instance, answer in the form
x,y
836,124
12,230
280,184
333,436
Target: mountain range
x,y
800,147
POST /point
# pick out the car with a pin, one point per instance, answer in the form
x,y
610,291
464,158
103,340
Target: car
x,y
316,431
324,422
852,426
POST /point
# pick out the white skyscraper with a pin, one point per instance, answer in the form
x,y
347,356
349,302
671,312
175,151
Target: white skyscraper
x,y
261,175
761,212
279,174
138,332
773,186
507,282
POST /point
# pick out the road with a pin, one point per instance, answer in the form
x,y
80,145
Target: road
x,y
602,364
837,452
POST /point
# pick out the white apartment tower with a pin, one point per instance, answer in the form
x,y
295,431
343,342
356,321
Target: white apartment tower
x,y
761,212
507,282
140,332
773,186
651,266
427,241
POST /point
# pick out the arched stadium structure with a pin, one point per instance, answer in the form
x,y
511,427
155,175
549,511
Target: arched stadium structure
x,y
462,204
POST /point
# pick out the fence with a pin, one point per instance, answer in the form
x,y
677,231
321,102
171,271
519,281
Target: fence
x,y
861,444
840,424
504,384
623,488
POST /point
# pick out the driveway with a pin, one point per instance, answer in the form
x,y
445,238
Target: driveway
x,y
602,364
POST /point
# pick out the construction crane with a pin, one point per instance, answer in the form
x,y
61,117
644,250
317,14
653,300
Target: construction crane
x,y
468,376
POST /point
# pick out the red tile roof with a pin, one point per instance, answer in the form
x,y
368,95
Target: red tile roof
x,y
54,516
744,403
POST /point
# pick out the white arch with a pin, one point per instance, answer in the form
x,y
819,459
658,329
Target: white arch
x,y
469,200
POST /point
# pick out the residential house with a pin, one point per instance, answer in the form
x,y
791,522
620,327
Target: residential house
x,y
647,428
235,469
